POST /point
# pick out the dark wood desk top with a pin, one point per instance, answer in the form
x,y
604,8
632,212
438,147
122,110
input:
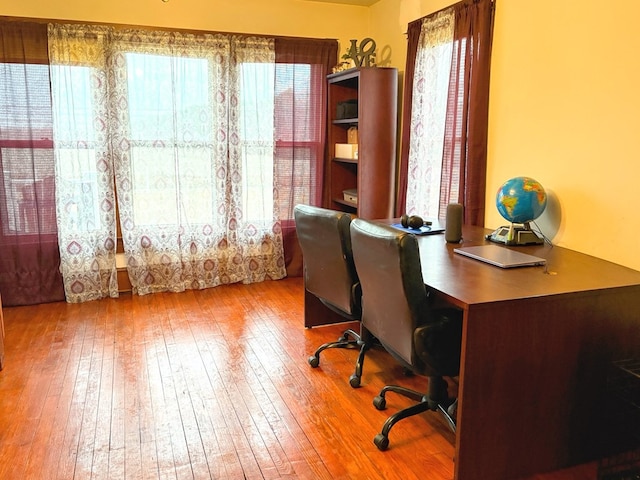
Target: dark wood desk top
x,y
465,282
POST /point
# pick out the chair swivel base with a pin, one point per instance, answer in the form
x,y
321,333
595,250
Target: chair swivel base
x,y
446,407
349,339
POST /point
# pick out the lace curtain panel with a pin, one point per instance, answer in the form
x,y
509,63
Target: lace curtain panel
x,y
428,115
85,196
184,124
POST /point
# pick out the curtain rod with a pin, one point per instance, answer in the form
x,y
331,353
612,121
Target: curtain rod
x,y
123,26
493,2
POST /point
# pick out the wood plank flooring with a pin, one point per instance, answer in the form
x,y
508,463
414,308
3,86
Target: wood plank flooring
x,y
199,385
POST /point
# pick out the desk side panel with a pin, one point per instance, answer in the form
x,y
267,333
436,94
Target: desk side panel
x,y
534,381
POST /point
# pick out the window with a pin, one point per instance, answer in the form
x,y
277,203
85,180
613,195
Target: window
x,y
108,138
257,136
429,117
26,150
171,130
27,133
299,134
76,148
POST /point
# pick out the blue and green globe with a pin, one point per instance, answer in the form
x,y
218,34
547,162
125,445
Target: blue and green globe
x,y
521,199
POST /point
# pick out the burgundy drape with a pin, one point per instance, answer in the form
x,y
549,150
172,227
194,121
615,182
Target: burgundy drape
x,y
465,155
29,256
301,133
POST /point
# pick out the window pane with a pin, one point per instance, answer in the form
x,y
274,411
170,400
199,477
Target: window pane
x,y
170,115
298,129
76,154
295,111
28,188
257,140
25,113
26,155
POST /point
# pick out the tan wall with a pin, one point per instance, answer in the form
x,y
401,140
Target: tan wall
x,y
563,110
273,17
563,91
564,103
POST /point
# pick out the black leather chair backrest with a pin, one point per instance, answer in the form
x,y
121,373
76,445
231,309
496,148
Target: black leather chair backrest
x,y
394,297
395,302
330,274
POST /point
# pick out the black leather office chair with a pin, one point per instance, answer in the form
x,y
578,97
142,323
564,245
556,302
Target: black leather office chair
x,y
330,274
396,309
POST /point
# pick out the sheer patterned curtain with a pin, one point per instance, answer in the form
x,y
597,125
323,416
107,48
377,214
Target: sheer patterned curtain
x,y
85,195
444,142
188,122
195,168
428,114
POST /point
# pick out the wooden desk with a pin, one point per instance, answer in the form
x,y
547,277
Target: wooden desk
x,y
537,345
536,348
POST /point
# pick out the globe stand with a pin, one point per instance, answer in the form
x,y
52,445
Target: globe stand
x,y
515,234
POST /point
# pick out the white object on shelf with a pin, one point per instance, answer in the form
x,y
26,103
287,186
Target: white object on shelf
x,y
346,150
350,195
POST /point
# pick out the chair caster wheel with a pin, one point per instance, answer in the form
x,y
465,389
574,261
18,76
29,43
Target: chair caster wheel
x,y
380,403
314,361
354,381
381,442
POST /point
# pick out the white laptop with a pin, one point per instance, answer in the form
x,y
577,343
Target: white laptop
x,y
500,256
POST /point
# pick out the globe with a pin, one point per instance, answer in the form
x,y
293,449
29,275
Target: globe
x,y
521,199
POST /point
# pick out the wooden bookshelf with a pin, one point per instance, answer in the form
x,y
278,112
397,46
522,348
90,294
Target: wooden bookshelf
x,y
372,174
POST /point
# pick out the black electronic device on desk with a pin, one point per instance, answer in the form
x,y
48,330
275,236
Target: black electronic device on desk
x,y
515,235
418,226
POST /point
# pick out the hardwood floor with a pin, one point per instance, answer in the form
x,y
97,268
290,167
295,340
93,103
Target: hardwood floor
x,y
202,384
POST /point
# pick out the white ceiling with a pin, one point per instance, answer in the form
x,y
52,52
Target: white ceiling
x,y
363,3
